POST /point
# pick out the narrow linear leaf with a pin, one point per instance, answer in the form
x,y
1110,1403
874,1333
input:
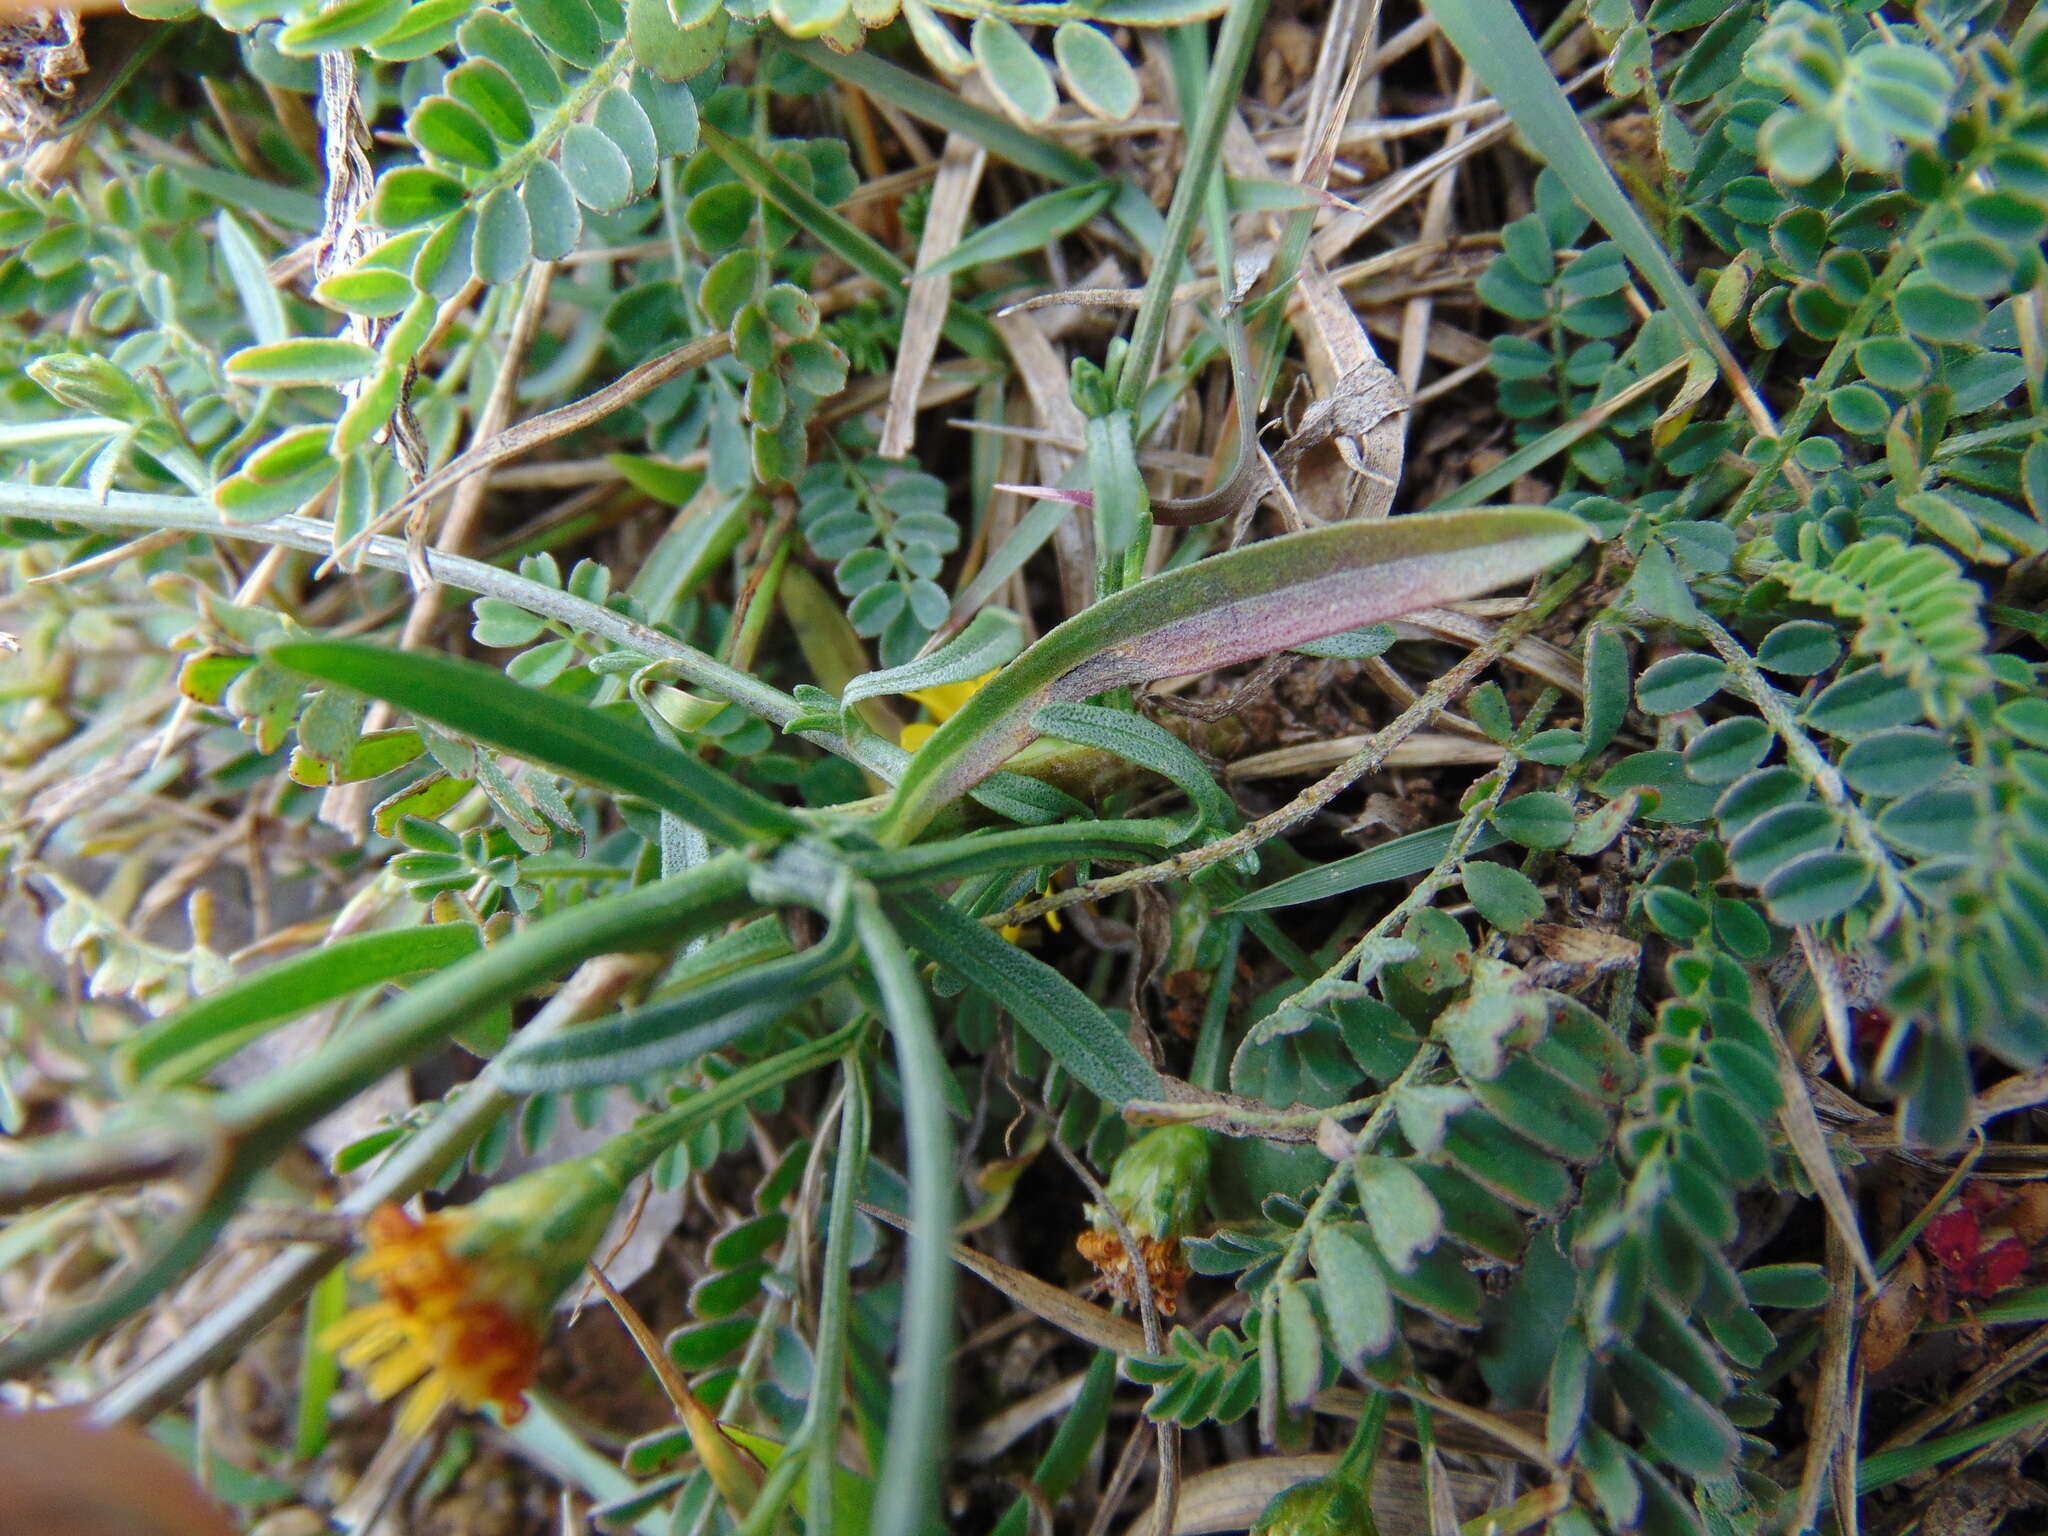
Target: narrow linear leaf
x,y
1249,603
1029,227
484,705
1058,1014
183,1044
993,638
679,1029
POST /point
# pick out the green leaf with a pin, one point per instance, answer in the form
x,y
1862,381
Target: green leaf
x,y
1798,1286
669,51
621,119
377,292
497,37
1932,313
1014,71
677,1030
1353,1288
1145,743
484,705
594,167
1799,648
413,194
1725,751
246,269
1680,682
1292,1318
504,237
184,1045
494,96
1863,702
1056,1013
1505,897
1098,76
1029,227
1816,886
554,221
1897,762
350,24
1679,799
1250,602
309,360
567,28
447,130
1684,1427
1542,819
1606,683
1395,859
1406,1221
990,639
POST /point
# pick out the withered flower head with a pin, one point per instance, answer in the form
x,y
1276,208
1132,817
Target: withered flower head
x,y
1156,1186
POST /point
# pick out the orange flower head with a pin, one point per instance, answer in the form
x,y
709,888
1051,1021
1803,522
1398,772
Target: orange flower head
x,y
439,1322
463,1295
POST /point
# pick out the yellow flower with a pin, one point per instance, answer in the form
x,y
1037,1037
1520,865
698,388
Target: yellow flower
x,y
437,1319
943,703
464,1294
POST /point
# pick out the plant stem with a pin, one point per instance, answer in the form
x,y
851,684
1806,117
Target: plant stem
x,y
272,1112
1233,56
906,1495
123,509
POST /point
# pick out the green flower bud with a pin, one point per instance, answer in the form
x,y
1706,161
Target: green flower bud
x,y
1159,1181
91,384
1329,1506
1156,1187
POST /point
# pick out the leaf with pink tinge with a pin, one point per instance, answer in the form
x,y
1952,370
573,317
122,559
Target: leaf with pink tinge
x,y
1234,608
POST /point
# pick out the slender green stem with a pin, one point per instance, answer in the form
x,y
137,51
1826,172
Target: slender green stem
x,y
123,509
272,1112
1233,56
1079,1430
1904,261
828,1391
632,1152
906,1498
1207,1070
415,1164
